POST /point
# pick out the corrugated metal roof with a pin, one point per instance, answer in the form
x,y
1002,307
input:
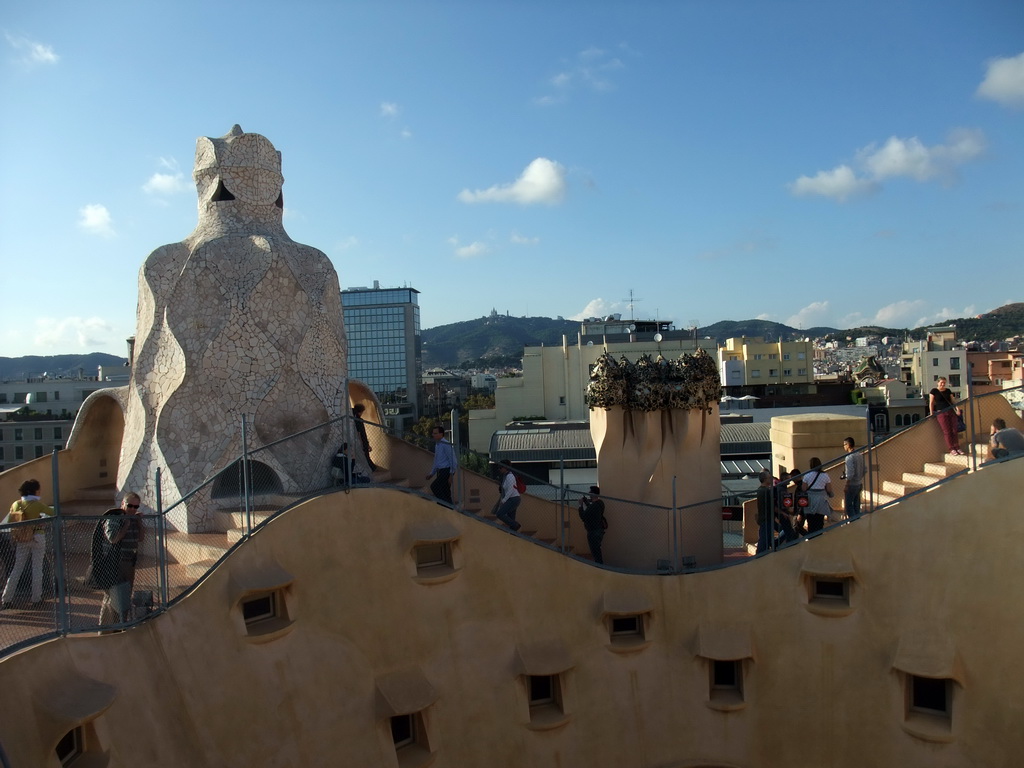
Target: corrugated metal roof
x,y
542,444
574,443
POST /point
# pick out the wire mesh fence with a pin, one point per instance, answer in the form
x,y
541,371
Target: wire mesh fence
x,y
177,545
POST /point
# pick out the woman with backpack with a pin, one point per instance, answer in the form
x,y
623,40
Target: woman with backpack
x,y
818,487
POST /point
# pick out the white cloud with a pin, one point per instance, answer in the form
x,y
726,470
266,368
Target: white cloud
x,y
543,181
389,109
1004,81
815,313
476,248
518,239
896,158
169,183
907,313
911,158
88,333
32,53
597,308
95,219
165,184
841,184
406,133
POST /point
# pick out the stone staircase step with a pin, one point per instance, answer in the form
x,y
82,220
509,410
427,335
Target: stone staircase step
x,y
896,488
935,468
98,493
920,479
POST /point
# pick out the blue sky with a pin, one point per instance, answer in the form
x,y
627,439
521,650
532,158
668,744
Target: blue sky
x,y
813,163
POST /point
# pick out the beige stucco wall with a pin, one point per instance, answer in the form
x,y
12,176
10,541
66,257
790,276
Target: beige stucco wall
x,y
189,688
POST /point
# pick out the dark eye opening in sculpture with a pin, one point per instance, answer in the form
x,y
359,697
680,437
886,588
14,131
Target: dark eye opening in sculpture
x,y
280,201
221,193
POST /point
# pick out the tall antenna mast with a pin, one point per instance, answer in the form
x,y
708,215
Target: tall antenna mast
x,y
631,300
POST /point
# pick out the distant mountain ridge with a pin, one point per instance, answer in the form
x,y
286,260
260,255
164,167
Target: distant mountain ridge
x,y
499,340
66,366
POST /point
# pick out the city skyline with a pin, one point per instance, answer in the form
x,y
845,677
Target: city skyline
x,y
808,164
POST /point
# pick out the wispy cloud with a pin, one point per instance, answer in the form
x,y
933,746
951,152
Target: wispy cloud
x,y
543,181
87,333
474,249
756,243
1004,81
31,53
389,109
518,239
95,219
591,69
896,158
170,182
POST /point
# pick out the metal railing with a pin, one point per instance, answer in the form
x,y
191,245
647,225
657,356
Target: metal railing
x,y
263,483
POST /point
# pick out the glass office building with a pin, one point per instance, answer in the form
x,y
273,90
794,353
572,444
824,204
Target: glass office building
x,y
383,329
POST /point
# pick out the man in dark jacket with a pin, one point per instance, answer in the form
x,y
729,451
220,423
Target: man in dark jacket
x,y
592,514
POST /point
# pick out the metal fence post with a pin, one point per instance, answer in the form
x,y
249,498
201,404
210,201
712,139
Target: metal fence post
x,y
675,529
57,530
971,424
246,498
161,540
453,417
563,544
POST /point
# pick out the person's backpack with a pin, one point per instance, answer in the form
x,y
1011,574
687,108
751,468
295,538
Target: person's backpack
x,y
520,484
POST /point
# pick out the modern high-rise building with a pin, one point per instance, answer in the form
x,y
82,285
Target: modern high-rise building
x,y
383,329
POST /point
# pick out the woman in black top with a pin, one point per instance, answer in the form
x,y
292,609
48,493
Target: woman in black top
x,y
942,405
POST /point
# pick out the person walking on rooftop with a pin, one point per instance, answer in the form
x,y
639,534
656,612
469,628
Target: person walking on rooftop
x,y
508,501
942,405
28,542
592,514
854,476
444,466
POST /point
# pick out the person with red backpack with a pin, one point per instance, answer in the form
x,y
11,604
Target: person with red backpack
x,y
508,502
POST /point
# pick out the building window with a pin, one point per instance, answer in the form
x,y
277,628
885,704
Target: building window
x,y
830,591
19,452
773,371
435,554
19,433
545,693
38,433
954,380
71,747
56,396
40,397
755,374
954,363
787,371
39,451
758,357
929,707
801,371
785,355
773,355
260,608
930,695
58,433
726,679
801,355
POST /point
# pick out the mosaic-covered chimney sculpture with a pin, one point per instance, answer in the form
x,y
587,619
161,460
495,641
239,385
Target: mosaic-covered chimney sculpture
x,y
653,421
237,320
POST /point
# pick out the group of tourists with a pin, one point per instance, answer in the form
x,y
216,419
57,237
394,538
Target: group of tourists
x,y
113,553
